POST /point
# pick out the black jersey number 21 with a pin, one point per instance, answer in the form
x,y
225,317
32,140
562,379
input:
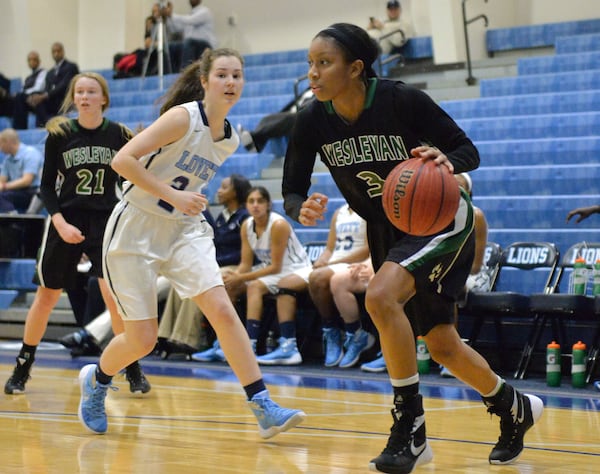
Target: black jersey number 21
x,y
180,183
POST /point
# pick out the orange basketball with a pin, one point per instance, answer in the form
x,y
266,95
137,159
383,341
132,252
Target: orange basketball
x,y
419,197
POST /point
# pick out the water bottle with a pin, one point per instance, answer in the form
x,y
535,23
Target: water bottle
x,y
579,276
578,365
423,356
553,371
596,275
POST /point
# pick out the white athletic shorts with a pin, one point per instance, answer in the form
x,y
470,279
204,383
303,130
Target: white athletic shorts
x,y
139,246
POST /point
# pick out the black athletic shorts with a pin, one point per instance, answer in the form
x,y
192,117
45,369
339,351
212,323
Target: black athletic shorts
x,y
440,265
57,261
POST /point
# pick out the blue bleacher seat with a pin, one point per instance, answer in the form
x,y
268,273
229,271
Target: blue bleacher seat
x,y
534,36
133,114
563,238
525,104
16,274
559,63
539,83
276,71
419,47
539,180
276,57
128,99
539,151
262,105
532,126
577,43
16,85
539,212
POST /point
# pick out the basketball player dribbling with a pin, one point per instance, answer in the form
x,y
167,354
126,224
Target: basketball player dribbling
x,y
361,127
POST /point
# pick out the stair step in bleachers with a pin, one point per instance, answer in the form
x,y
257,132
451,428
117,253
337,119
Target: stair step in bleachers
x,y
526,104
559,63
577,43
540,83
137,98
262,105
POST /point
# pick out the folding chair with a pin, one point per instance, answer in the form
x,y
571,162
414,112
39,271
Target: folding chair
x,y
557,308
522,264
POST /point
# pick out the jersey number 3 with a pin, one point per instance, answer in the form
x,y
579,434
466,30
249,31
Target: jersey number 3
x,y
180,183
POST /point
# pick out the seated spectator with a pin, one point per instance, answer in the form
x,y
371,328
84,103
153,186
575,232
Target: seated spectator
x,y
19,174
269,238
34,83
46,104
197,29
383,31
279,124
346,244
345,285
182,325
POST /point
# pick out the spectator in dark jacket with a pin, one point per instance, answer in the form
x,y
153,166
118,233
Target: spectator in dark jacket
x,y
46,104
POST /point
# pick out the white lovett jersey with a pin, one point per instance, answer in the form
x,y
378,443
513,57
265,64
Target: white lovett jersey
x,y
187,164
294,257
350,233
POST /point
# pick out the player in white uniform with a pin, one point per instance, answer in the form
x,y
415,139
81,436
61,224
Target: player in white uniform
x,y
268,238
346,244
158,228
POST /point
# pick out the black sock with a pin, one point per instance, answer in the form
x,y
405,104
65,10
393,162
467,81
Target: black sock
x,y
288,329
133,365
352,327
405,395
27,353
254,388
253,328
101,377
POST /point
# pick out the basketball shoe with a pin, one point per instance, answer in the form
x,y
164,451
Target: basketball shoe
x,y
407,445
138,383
212,354
286,354
356,344
16,382
92,413
518,412
332,342
376,365
273,419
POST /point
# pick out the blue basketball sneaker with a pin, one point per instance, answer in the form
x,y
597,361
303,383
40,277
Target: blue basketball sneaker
x,y
286,354
356,344
332,340
377,365
273,419
91,405
213,354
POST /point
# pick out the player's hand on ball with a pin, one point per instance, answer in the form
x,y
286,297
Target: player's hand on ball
x,y
432,153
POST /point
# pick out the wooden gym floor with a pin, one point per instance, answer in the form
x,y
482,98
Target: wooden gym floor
x,y
195,420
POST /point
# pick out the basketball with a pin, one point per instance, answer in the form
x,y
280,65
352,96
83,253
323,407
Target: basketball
x,y
419,197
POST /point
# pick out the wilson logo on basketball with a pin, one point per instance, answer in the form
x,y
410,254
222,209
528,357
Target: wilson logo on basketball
x,y
400,190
